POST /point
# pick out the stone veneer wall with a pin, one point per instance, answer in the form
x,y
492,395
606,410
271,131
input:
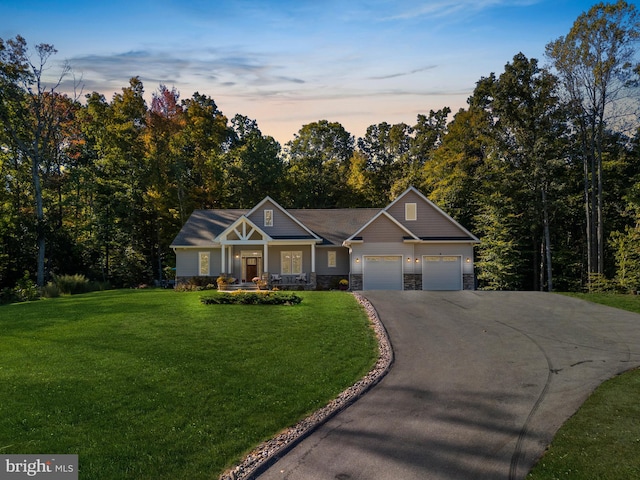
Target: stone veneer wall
x,y
412,281
329,282
468,281
355,282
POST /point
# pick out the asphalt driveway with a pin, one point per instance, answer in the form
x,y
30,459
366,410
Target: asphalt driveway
x,y
480,384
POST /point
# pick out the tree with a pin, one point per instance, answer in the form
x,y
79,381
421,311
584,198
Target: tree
x,y
254,167
386,147
31,119
318,161
530,129
597,64
453,177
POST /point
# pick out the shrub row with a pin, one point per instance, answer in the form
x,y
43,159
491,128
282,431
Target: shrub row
x,y
252,298
26,289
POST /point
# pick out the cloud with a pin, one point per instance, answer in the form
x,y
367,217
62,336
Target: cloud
x,y
213,67
403,74
454,8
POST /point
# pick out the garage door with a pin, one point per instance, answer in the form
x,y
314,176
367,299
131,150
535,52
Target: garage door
x,y
382,272
442,272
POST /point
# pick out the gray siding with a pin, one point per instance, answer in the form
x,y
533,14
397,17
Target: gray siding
x,y
187,262
342,261
430,222
274,257
283,225
382,230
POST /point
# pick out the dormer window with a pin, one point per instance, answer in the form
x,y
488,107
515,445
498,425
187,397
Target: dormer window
x,y
410,211
268,218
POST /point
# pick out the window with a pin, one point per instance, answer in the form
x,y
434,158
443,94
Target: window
x,y
291,263
410,211
268,218
331,259
204,264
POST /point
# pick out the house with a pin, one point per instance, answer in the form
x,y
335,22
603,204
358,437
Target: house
x,y
409,245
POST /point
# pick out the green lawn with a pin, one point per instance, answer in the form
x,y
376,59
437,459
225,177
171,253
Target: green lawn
x,y
602,440
152,384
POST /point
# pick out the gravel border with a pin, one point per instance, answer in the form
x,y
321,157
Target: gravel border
x,y
266,454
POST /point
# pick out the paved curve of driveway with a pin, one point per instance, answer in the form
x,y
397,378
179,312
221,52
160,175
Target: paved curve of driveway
x,y
480,384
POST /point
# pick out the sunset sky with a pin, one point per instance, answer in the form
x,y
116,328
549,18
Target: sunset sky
x,y
287,63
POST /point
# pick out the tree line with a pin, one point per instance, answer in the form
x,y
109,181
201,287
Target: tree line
x,y
543,165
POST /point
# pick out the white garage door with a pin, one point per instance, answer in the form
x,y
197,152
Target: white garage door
x,y
442,272
382,272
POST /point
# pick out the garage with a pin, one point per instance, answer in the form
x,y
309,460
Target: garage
x,y
382,272
442,272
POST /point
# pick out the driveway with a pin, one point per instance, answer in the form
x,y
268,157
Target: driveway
x,y
480,384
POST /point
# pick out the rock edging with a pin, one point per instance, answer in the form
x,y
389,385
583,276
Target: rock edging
x,y
267,453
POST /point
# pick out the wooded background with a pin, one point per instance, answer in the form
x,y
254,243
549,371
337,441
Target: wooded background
x,y
543,166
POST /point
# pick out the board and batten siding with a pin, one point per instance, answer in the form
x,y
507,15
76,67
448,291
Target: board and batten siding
x,y
429,223
283,225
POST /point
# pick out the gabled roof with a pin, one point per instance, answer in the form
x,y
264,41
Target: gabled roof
x,y
203,226
381,214
464,234
268,199
331,226
334,225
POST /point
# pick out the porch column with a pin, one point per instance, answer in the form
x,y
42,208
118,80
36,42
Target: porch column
x,y
265,260
223,259
313,258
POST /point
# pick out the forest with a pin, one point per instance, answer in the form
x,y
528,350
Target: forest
x,y
543,165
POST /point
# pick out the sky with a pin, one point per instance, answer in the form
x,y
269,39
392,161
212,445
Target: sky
x,y
287,63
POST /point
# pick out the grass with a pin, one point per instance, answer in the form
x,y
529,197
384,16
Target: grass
x,y
602,440
153,384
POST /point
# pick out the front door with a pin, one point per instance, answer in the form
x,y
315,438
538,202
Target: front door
x,y
251,268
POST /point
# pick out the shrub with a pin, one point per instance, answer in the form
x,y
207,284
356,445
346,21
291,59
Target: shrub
x,y
71,284
51,290
74,284
26,289
241,297
195,284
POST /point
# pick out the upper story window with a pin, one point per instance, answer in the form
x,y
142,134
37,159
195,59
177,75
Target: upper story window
x,y
268,218
410,211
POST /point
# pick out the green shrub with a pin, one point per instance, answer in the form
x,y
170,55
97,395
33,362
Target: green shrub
x,y
252,298
51,290
71,284
196,284
26,289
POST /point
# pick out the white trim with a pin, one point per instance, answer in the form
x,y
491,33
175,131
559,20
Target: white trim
x,y
473,238
239,227
200,264
375,217
283,210
268,217
410,211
